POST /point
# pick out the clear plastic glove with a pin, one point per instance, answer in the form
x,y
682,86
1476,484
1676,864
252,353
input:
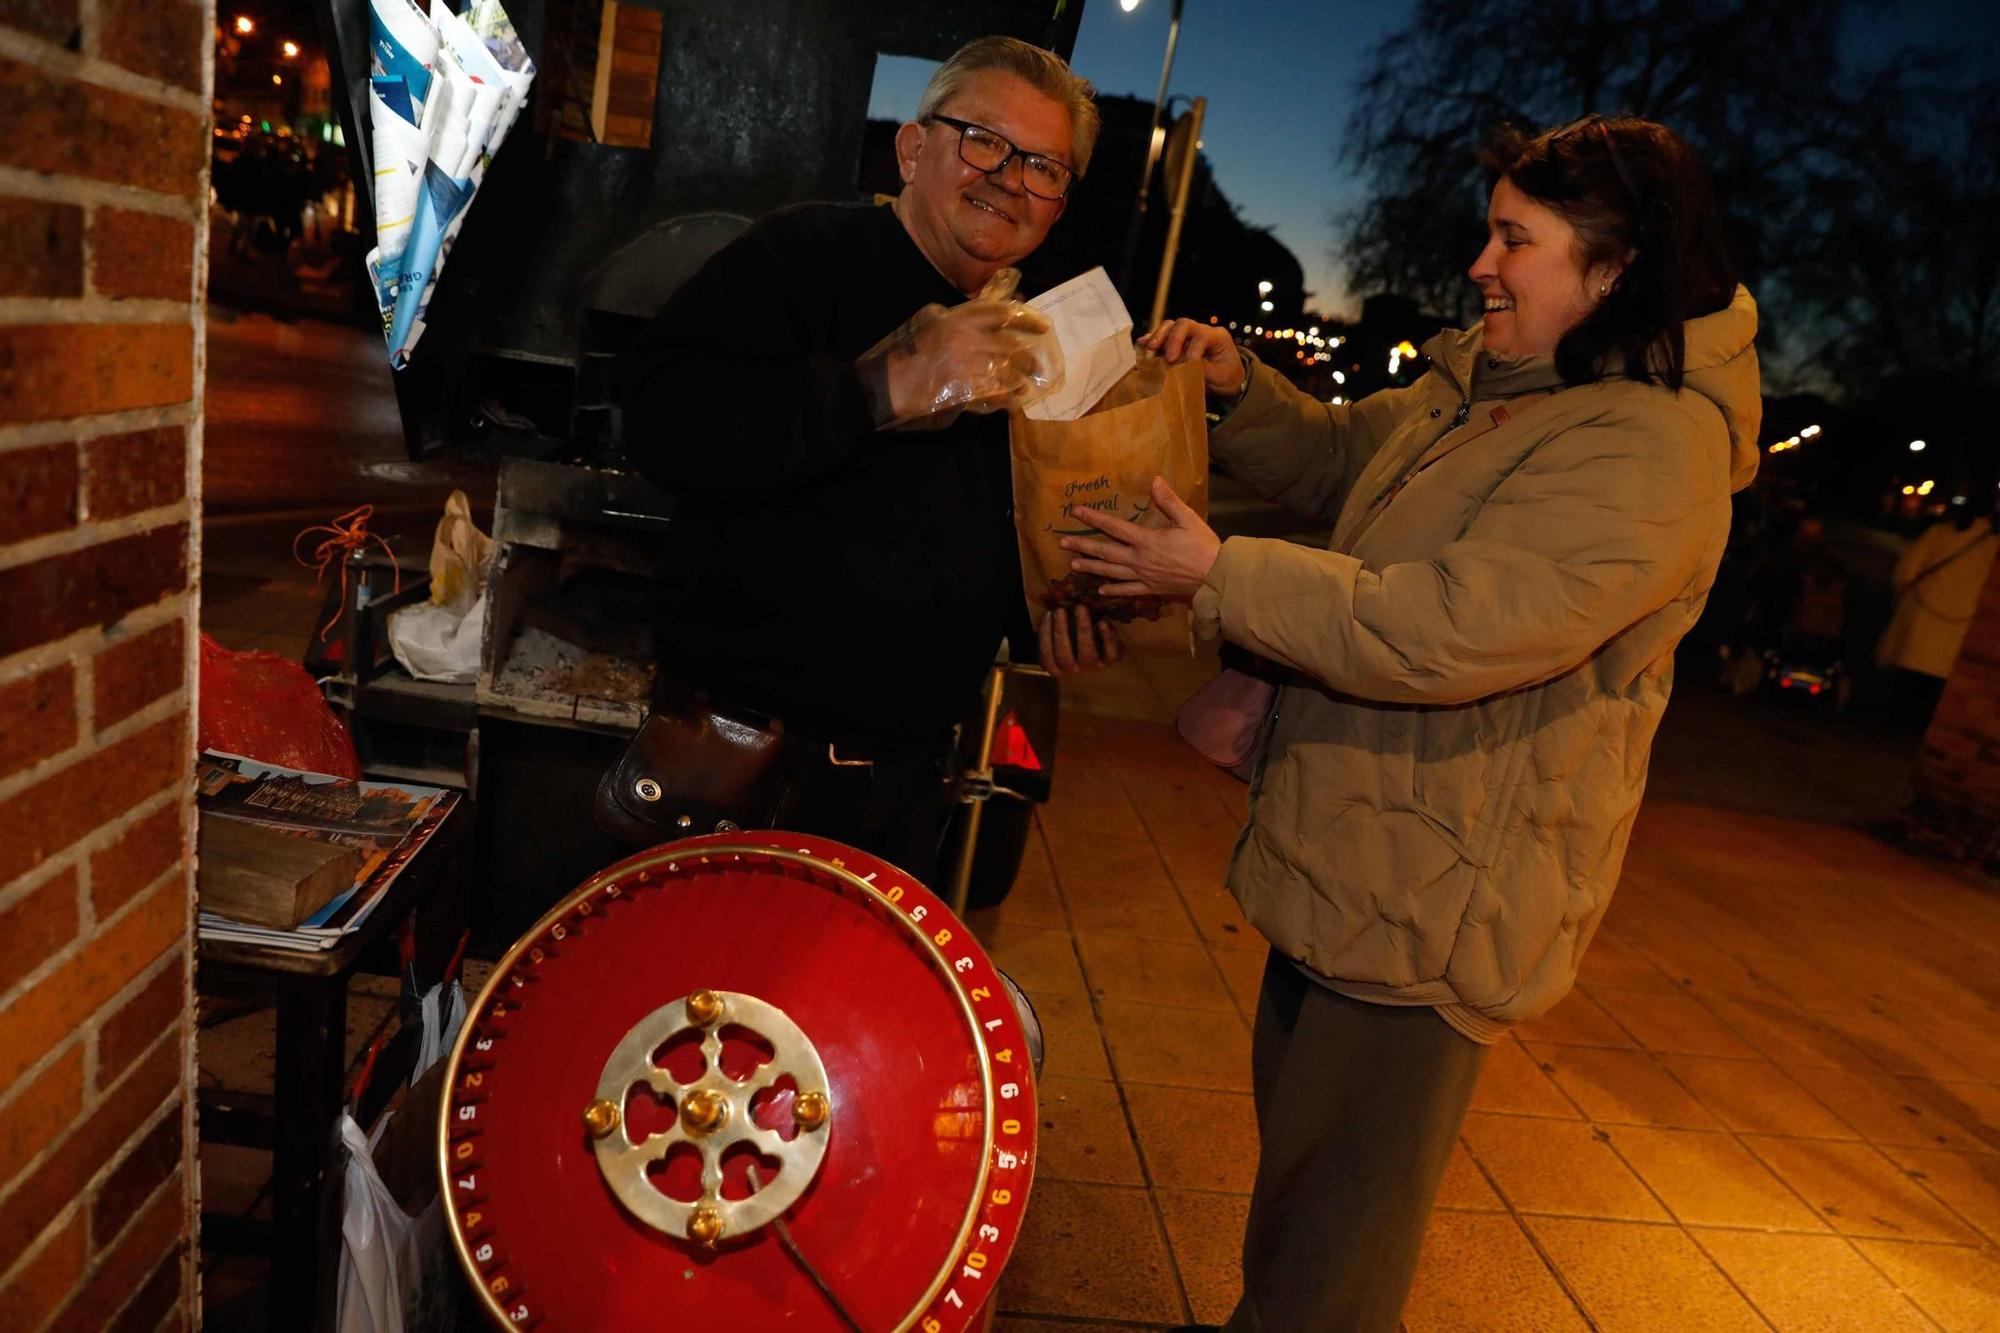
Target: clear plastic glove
x,y
991,353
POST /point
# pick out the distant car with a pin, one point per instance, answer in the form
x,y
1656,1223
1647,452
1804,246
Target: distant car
x,y
1829,682
1797,674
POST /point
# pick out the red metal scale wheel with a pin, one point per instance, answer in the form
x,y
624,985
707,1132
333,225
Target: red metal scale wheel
x,y
747,1081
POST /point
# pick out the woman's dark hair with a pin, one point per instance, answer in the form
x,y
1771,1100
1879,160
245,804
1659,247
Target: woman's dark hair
x,y
1627,186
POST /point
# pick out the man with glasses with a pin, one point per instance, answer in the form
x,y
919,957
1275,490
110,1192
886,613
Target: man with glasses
x,y
822,399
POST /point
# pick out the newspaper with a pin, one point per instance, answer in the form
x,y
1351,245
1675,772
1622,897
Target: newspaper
x,y
402,46
388,822
444,91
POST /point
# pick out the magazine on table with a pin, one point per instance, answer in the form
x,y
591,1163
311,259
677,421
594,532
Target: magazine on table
x,y
389,822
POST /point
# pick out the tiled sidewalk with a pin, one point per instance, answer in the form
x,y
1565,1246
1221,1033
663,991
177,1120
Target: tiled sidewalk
x,y
1772,1102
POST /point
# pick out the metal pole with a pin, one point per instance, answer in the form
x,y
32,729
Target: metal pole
x,y
1189,149
1152,150
978,786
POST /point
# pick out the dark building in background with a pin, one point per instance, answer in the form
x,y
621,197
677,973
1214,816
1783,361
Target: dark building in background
x,y
270,72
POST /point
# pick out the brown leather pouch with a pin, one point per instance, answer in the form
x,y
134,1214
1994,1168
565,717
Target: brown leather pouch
x,y
696,768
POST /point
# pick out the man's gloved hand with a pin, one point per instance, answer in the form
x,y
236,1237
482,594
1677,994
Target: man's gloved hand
x,y
988,354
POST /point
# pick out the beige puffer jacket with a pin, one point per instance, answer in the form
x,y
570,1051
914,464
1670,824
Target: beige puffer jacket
x,y
1938,582
1442,816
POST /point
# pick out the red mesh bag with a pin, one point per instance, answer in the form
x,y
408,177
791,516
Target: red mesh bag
x,y
262,706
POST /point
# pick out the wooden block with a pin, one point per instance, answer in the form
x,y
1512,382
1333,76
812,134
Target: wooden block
x,y
639,88
622,90
266,877
626,132
638,43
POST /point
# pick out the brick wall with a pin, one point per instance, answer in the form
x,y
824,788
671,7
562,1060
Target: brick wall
x,y
103,185
1957,781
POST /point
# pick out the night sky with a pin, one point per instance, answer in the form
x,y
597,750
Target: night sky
x,y
1265,64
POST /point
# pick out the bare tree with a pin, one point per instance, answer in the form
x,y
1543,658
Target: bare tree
x,y
1897,267
1752,83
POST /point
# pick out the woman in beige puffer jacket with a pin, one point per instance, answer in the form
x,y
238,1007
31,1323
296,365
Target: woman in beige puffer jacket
x,y
1475,667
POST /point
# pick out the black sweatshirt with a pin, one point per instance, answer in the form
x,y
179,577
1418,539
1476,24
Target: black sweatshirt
x,y
855,583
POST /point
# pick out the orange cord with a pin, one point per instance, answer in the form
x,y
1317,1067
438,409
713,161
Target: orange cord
x,y
347,533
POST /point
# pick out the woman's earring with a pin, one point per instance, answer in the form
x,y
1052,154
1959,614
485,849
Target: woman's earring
x,y
1604,289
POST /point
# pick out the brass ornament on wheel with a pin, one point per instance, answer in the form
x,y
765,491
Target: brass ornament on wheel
x,y
602,1118
712,1115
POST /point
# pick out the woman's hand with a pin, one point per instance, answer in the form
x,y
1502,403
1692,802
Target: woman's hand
x,y
1181,340
1148,562
1089,646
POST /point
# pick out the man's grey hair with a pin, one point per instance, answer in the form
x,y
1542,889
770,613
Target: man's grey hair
x,y
1042,70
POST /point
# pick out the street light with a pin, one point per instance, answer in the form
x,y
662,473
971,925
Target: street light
x,y
1916,446
1263,289
1153,139
244,24
291,50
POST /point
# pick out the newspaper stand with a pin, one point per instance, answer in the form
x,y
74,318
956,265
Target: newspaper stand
x,y
741,1081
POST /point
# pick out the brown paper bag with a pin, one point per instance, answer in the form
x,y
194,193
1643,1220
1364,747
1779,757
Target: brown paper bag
x,y
1149,424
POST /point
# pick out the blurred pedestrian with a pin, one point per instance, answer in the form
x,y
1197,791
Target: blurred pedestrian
x,y
1478,663
1938,581
1800,595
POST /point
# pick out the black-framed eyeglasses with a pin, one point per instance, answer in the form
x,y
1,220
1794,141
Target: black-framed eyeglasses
x,y
983,150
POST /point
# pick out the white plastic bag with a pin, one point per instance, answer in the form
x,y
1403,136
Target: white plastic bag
x,y
437,643
440,639
443,1015
397,1270
381,1260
